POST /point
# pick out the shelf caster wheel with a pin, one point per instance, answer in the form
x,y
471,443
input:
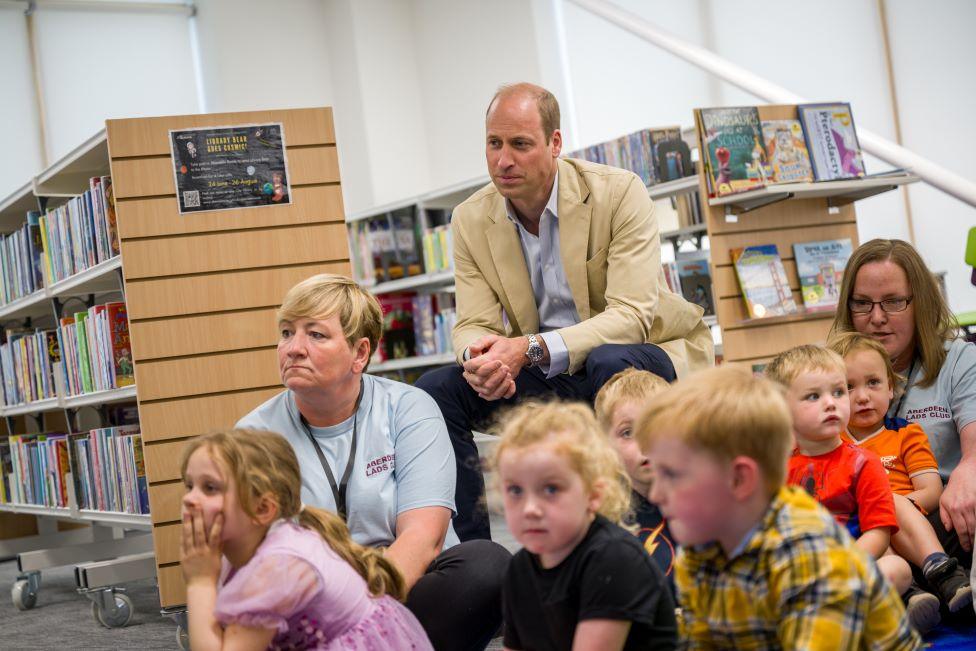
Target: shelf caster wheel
x,y
112,609
23,597
24,591
183,638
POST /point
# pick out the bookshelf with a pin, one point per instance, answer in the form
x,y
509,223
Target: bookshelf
x,y
49,536
783,215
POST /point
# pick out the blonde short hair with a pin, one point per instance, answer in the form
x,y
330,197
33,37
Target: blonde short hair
x,y
327,295
629,385
845,343
788,365
571,430
726,412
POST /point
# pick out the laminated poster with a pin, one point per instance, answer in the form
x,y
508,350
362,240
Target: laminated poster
x,y
223,168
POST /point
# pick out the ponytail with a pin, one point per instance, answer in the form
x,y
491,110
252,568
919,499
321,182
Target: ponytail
x,y
381,575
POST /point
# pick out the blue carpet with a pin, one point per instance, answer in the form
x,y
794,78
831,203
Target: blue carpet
x,y
952,637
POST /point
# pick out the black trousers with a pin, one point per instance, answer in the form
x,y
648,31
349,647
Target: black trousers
x,y
459,599
464,410
950,543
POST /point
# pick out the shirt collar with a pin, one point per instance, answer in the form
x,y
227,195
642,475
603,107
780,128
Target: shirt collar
x,y
551,205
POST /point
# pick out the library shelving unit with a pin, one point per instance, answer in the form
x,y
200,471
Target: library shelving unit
x,y
783,215
202,290
42,537
446,199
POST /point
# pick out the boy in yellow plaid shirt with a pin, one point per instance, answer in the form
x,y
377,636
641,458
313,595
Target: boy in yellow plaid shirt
x,y
761,565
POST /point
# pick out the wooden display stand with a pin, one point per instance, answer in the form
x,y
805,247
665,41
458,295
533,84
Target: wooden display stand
x,y
202,290
782,215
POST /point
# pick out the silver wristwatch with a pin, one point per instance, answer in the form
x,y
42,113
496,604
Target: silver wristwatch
x,y
535,352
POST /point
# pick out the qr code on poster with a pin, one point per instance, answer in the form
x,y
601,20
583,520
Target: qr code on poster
x,y
191,198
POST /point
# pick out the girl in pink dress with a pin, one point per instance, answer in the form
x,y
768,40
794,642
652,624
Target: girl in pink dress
x,y
262,572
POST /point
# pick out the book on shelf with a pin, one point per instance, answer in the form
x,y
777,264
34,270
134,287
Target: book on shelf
x,y
786,149
670,272
27,367
831,140
655,155
820,266
21,264
735,159
95,353
695,279
109,470
81,233
762,277
398,339
38,467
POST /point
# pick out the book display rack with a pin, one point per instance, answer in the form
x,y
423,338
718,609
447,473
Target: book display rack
x,y
779,217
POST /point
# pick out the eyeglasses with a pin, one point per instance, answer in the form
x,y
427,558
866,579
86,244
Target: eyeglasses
x,y
889,305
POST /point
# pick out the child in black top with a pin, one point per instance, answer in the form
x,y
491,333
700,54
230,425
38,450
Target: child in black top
x,y
580,580
617,406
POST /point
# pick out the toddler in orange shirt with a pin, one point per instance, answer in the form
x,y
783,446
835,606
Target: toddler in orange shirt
x,y
913,472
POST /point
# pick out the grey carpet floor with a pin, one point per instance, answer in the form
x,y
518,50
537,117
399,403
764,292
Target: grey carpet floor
x,y
62,619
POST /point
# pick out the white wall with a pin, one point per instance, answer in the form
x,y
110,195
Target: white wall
x,y
933,53
464,51
100,64
21,147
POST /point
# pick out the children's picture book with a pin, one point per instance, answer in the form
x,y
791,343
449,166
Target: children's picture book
x,y
831,141
820,266
786,149
696,282
763,280
736,158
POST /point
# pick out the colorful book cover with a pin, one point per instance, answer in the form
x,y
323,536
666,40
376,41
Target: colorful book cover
x,y
118,324
696,283
786,149
831,141
763,280
84,361
141,480
820,266
398,336
108,196
736,157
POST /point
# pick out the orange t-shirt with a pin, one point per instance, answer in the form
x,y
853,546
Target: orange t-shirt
x,y
904,453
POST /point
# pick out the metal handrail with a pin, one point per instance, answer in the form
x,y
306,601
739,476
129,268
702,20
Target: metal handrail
x,y
932,173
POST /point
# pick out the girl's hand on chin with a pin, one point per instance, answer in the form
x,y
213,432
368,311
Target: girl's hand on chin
x,y
200,552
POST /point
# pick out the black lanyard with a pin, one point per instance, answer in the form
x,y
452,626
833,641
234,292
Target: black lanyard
x,y
908,385
338,492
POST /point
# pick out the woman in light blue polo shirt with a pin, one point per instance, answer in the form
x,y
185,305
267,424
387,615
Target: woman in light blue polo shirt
x,y
377,452
890,294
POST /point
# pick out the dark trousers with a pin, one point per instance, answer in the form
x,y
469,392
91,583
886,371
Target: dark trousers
x,y
464,411
458,600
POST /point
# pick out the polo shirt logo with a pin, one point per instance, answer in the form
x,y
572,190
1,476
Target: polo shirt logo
x,y
932,411
380,464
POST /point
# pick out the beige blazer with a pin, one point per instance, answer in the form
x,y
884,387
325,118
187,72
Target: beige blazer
x,y
611,253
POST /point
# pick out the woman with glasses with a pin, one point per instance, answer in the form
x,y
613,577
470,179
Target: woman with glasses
x,y
892,296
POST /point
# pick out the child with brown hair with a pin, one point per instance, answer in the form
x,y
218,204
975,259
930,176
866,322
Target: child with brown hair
x,y
617,405
262,571
913,473
761,565
580,581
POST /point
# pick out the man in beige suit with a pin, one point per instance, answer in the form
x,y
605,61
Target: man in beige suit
x,y
559,285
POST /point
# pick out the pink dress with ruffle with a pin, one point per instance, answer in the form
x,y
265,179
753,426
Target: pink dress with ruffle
x,y
298,586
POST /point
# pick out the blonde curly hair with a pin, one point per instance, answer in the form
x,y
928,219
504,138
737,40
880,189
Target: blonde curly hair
x,y
570,429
